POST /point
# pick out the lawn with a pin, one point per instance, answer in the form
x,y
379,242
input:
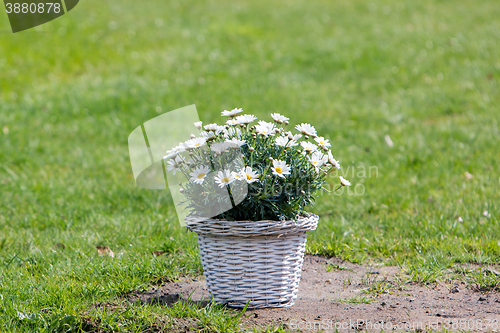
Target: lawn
x,y
423,73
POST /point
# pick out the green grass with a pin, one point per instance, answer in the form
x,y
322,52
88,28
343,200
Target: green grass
x,y
425,73
335,267
357,300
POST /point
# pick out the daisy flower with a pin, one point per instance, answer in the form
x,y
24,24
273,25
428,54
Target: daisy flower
x,y
173,164
232,122
284,141
246,119
198,175
281,141
309,147
174,152
219,129
262,130
235,143
306,129
265,128
322,142
250,175
279,118
231,113
317,159
219,147
224,178
208,135
344,182
238,175
210,127
265,123
232,131
295,137
198,124
171,154
333,161
280,168
194,143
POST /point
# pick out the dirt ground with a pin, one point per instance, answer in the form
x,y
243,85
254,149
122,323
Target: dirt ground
x,y
354,297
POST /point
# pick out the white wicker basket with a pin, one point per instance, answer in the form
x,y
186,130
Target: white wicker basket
x,y
260,261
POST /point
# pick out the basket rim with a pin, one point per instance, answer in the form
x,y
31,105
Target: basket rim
x,y
245,228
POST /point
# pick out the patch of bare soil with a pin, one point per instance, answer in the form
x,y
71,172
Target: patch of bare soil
x,y
358,297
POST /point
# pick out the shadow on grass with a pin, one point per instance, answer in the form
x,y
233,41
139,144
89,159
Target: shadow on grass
x,y
169,299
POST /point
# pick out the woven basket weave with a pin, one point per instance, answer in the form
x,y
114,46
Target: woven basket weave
x,y
260,261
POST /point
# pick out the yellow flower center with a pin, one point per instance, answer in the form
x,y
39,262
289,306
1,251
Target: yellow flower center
x,y
248,177
201,175
322,142
225,180
197,144
279,170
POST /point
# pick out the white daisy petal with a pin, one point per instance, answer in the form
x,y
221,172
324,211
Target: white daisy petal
x,y
318,159
198,174
279,118
246,119
322,142
194,143
265,129
238,175
232,132
208,135
306,129
344,182
285,141
174,151
173,164
224,178
333,161
232,122
281,141
235,143
265,123
231,113
280,168
210,127
250,175
308,147
219,129
220,147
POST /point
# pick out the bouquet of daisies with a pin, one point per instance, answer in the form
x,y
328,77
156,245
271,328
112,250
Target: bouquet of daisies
x,y
246,171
